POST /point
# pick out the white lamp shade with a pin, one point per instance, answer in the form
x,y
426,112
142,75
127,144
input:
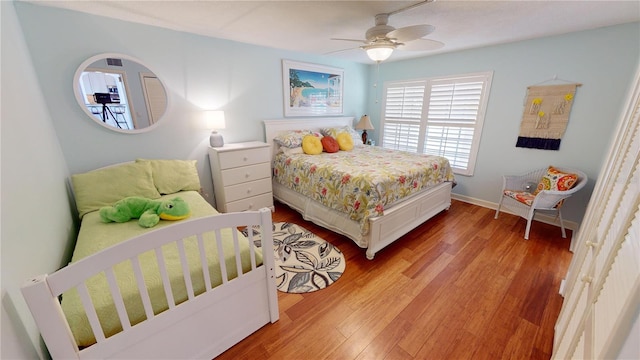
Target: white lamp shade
x,y
364,123
214,119
379,53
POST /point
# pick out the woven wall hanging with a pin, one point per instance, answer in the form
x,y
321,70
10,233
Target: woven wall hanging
x,y
545,116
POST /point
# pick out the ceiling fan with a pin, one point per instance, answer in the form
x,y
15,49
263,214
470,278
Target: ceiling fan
x,y
382,39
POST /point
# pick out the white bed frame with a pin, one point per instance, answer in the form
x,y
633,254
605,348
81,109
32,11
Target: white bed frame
x,y
396,221
202,327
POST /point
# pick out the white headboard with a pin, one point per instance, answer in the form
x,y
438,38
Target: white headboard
x,y
273,127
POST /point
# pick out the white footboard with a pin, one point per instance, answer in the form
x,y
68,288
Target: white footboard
x,y
396,221
403,218
202,327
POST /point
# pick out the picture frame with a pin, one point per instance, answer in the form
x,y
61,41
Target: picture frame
x,y
312,89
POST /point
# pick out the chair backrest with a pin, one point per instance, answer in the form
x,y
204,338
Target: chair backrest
x,y
550,199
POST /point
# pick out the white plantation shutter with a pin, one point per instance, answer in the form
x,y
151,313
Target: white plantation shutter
x,y
441,116
402,117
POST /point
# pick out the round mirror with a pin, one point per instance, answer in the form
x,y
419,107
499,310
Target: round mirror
x,y
120,93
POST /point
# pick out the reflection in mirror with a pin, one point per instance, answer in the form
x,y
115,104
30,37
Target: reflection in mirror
x,y
120,93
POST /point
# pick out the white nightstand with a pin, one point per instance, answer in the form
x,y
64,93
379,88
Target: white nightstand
x,y
241,175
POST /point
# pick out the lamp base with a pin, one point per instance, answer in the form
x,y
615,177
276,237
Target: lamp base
x,y
216,140
364,136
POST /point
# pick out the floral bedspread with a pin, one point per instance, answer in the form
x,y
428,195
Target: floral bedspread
x,y
363,181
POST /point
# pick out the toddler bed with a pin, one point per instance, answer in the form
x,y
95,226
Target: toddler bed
x,y
181,289
369,194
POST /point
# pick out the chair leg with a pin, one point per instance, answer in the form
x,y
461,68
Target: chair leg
x,y
499,205
564,234
526,231
532,212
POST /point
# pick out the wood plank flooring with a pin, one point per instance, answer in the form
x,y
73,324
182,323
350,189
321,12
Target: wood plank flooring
x,y
460,286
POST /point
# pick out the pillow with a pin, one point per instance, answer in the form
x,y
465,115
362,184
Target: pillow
x,y
345,141
171,176
292,151
334,131
291,138
330,144
311,145
103,187
556,180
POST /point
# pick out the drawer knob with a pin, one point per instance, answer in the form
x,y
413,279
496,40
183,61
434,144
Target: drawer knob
x,y
249,191
247,175
245,158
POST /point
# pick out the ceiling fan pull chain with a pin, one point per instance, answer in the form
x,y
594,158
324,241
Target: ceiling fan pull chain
x,y
375,85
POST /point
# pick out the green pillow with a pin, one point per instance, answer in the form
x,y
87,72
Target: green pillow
x,y
171,176
103,187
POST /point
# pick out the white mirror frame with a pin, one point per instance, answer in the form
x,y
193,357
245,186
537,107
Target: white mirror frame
x,y
80,97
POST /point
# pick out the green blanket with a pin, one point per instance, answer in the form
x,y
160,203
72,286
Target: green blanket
x,y
95,236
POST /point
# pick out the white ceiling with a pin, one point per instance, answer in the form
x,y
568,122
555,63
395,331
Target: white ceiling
x,y
307,26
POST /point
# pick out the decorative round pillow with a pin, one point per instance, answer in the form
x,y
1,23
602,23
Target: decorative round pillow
x,y
329,144
311,145
345,141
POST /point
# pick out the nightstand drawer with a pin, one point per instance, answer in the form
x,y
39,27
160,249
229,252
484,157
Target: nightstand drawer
x,y
244,190
232,159
252,203
247,173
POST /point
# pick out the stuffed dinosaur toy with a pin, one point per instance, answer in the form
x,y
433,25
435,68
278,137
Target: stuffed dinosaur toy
x,y
147,211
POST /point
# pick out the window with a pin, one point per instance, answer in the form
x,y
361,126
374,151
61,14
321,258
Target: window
x,y
438,116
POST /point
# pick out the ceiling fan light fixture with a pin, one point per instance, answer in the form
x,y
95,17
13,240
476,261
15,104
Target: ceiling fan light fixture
x,y
379,53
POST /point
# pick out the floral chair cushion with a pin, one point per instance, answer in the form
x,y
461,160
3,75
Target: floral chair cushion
x,y
521,196
556,180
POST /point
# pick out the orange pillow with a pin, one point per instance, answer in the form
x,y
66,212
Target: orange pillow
x,y
556,180
329,144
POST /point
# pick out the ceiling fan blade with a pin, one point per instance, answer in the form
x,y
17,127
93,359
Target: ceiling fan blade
x,y
341,50
355,40
411,33
422,45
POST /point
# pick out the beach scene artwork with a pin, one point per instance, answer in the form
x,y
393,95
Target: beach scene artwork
x,y
313,89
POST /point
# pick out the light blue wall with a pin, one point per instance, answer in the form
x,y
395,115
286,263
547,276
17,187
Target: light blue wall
x,y
199,72
603,61
37,223
46,136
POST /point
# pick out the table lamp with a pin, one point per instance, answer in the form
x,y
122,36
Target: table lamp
x,y
364,124
215,120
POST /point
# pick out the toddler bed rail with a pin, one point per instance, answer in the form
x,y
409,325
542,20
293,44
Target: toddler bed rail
x,y
203,326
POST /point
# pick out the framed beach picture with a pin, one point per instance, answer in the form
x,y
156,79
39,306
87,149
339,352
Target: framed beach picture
x,y
311,89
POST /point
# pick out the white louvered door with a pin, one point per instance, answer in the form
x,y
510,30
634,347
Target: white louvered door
x,y
602,297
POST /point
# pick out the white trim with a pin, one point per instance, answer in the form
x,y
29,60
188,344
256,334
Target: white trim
x,y
544,218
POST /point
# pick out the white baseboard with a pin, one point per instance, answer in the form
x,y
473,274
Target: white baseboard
x,y
544,218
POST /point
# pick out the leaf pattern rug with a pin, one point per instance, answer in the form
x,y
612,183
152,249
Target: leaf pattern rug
x,y
304,262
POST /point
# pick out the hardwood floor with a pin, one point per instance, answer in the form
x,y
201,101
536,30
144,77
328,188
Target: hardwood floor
x,y
460,286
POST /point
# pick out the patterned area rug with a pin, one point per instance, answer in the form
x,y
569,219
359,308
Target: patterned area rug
x,y
304,262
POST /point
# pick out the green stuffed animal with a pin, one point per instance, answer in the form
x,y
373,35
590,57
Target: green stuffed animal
x,y
147,211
